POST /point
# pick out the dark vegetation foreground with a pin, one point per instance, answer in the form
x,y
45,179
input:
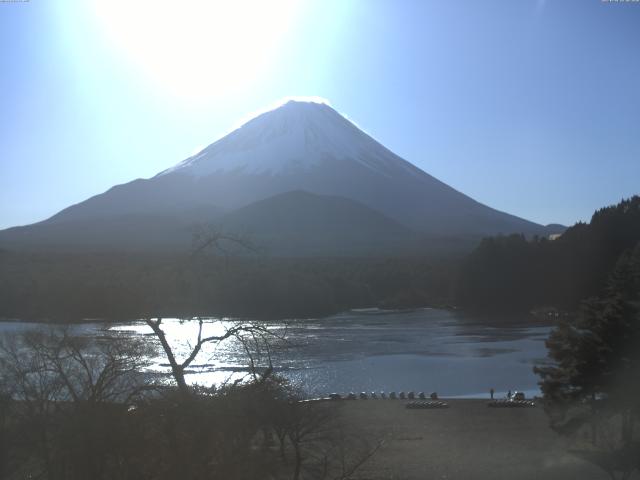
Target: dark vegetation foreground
x,y
77,408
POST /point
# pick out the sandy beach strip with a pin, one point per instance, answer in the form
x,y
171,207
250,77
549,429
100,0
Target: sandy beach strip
x,y
466,441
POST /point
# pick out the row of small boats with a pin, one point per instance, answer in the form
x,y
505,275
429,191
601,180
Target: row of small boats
x,y
421,401
427,404
383,395
511,403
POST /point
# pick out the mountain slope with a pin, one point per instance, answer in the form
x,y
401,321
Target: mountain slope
x,y
128,232
300,146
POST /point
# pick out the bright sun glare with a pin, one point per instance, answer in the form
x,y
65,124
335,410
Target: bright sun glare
x,y
198,49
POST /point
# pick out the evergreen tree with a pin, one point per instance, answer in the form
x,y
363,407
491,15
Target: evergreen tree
x,y
593,381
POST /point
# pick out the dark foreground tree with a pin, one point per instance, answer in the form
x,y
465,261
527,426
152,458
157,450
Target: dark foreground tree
x,y
65,403
251,335
78,408
230,431
592,385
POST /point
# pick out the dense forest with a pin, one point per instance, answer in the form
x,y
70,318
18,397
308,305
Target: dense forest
x,y
516,273
504,273
70,287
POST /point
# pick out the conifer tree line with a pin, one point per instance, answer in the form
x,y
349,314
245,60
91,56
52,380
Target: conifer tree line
x,y
513,273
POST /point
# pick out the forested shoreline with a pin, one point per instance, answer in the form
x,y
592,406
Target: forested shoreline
x,y
72,287
513,273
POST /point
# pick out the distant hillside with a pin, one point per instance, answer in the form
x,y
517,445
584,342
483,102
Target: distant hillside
x,y
303,224
513,273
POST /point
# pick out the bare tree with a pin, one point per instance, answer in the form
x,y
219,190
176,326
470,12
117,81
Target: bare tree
x,y
324,445
71,394
242,331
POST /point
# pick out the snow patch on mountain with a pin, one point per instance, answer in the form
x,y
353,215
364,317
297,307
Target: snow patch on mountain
x,y
293,137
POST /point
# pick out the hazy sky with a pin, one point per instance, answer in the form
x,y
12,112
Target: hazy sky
x,y
529,106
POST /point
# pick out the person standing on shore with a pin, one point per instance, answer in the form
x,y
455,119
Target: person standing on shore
x,y
491,391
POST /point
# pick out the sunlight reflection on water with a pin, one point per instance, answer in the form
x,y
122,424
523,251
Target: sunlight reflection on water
x,y
422,350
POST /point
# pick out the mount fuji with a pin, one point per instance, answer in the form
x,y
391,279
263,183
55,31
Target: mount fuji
x,y
301,178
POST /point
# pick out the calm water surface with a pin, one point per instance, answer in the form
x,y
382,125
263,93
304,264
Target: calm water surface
x,y
423,350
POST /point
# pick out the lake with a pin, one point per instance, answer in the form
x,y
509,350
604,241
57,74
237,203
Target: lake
x,y
452,353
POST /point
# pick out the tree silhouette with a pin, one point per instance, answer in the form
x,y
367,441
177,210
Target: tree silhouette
x,y
592,381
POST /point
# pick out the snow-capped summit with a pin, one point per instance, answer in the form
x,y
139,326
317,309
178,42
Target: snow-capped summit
x,y
297,135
